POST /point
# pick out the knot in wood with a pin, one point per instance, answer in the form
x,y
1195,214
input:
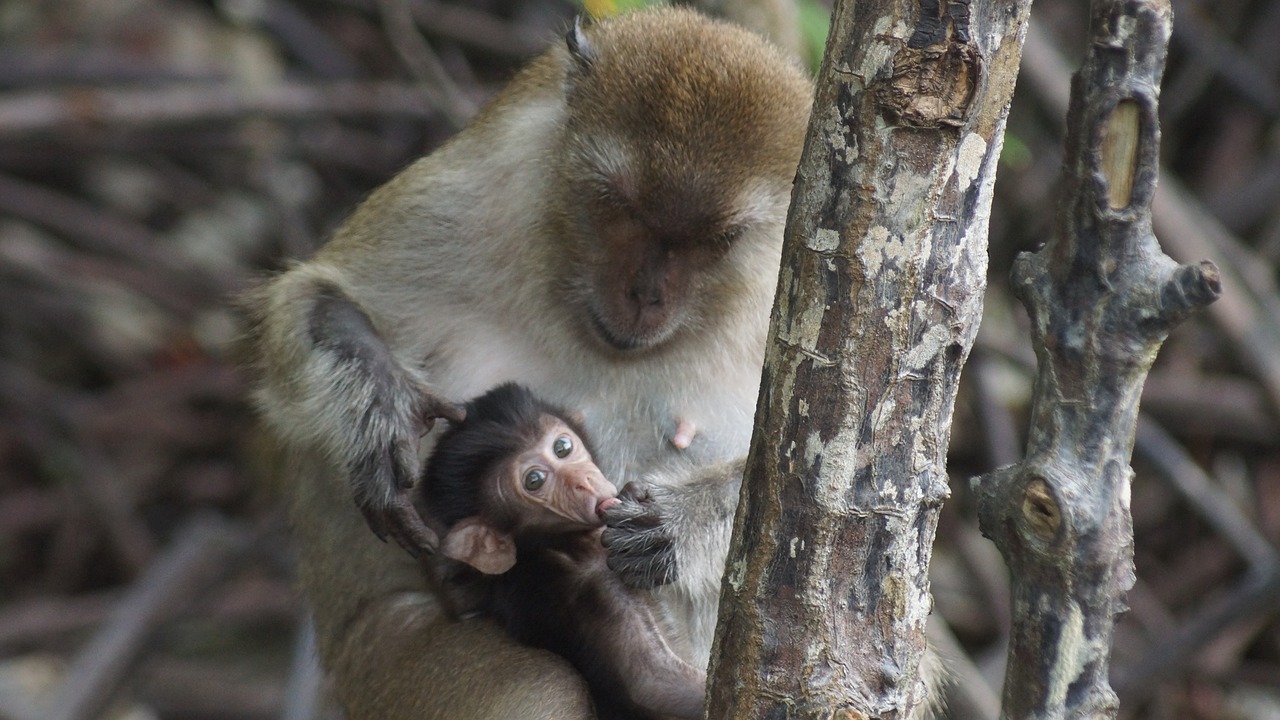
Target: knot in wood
x,y
1040,510
933,86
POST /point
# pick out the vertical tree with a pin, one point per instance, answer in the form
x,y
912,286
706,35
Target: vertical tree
x,y
1102,297
825,596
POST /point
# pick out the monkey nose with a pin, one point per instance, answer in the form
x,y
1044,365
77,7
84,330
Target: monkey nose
x,y
646,296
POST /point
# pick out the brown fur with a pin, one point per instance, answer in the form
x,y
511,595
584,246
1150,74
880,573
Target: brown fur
x,y
472,267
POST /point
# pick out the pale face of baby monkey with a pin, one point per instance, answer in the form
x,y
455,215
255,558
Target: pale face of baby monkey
x,y
532,479
556,483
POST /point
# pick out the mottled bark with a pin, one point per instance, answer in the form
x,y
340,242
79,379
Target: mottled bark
x,y
1102,297
826,590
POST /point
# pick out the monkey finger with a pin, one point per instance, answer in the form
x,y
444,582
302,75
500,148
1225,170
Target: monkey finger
x,y
644,567
635,492
436,408
634,512
408,529
377,522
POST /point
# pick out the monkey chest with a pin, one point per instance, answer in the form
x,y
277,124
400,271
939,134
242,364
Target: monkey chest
x,y
642,414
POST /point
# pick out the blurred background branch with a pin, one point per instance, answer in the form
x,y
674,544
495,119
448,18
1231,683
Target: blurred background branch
x,y
156,157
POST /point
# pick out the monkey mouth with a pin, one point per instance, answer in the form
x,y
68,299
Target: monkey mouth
x,y
605,332
605,504
629,341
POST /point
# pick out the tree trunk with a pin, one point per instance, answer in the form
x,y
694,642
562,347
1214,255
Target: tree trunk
x,y
1102,297
825,595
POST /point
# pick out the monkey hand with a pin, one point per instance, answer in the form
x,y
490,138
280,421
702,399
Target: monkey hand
x,y
638,537
387,476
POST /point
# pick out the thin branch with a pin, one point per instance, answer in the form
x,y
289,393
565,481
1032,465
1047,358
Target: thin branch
x,y
177,577
397,18
304,694
89,108
478,29
1156,447
1257,596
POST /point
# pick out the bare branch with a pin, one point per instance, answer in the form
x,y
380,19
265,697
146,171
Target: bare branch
x,y
88,108
1102,298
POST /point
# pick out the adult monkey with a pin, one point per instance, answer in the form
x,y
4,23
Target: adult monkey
x,y
607,232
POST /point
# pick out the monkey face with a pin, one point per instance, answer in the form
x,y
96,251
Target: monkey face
x,y
651,246
557,483
641,292
670,161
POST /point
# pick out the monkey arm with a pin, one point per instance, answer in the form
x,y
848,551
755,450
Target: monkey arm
x,y
330,381
567,601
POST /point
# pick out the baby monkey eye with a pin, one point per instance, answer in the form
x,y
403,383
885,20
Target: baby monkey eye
x,y
562,446
534,479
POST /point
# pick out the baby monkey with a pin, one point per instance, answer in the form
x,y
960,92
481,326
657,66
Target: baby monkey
x,y
520,497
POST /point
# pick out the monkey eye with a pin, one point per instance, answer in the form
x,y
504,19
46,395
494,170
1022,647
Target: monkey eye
x,y
728,237
562,446
534,479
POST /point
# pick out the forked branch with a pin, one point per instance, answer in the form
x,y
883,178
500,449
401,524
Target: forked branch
x,y
1102,297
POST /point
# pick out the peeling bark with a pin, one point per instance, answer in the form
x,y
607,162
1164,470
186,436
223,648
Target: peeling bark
x,y
1102,297
825,595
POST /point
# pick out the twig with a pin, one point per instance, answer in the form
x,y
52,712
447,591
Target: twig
x,y
67,64
23,114
174,688
968,694
1222,406
478,29
413,50
49,619
96,482
1235,68
41,618
469,26
24,510
1003,445
299,33
1253,597
83,224
1156,447
177,576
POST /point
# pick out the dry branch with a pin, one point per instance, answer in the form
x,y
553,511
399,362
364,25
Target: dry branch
x,y
179,575
1102,297
1249,310
91,107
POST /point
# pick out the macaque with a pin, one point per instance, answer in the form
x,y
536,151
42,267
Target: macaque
x,y
607,232
521,498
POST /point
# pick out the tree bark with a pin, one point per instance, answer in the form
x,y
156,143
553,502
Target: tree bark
x,y
825,594
1102,297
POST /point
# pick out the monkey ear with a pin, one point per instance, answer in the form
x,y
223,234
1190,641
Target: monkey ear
x,y
476,543
580,48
